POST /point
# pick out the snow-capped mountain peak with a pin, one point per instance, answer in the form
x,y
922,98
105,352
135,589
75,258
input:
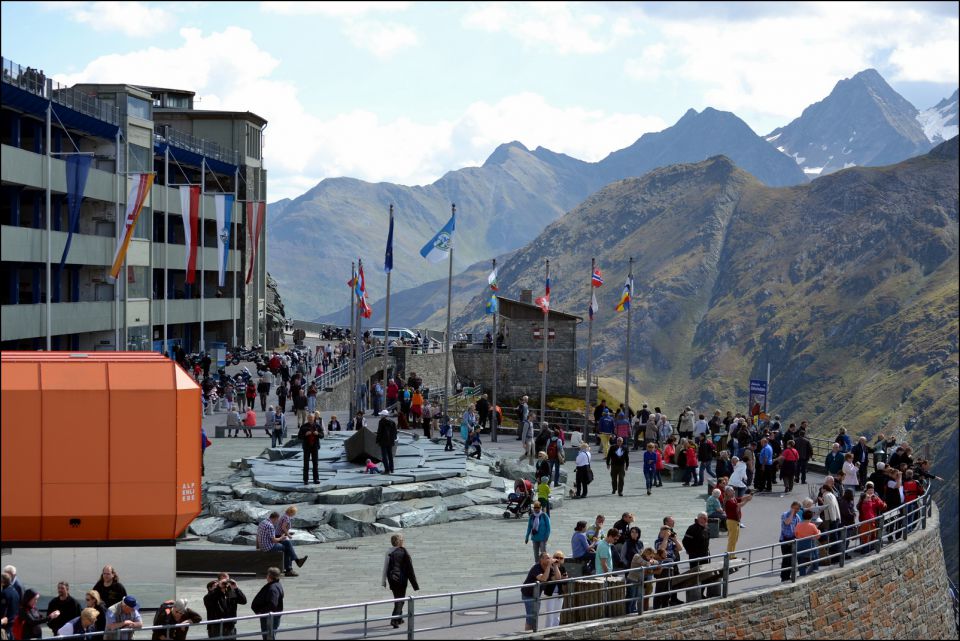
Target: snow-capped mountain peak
x,y
940,121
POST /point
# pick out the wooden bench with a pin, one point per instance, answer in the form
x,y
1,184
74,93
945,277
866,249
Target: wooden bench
x,y
227,558
672,472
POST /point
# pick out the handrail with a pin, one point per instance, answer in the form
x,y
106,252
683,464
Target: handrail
x,y
37,83
895,524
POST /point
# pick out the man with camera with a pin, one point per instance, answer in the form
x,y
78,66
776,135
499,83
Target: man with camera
x,y
222,598
669,542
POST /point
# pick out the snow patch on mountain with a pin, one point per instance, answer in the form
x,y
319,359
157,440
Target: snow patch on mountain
x,y
940,121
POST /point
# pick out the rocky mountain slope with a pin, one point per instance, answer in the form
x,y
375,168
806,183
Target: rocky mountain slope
x,y
940,122
847,286
863,122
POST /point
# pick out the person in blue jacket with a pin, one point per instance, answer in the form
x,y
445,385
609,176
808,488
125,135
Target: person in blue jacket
x,y
538,530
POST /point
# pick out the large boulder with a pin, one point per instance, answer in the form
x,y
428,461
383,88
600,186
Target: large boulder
x,y
356,528
416,518
407,491
206,526
301,537
240,511
476,512
267,496
238,534
513,469
310,516
327,533
358,511
362,445
461,484
360,494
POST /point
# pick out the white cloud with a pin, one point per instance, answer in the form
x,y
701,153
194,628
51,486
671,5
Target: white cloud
x,y
382,39
133,19
774,65
229,70
565,28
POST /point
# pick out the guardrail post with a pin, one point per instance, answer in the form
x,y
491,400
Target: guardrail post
x,y
451,607
411,616
905,520
317,636
536,607
270,626
726,575
880,534
843,545
366,617
793,561
923,512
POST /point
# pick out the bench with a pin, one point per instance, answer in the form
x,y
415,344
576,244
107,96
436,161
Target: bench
x,y
672,472
227,558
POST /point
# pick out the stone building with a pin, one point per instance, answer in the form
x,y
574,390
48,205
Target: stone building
x,y
519,360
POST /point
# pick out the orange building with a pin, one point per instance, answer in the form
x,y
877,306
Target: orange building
x,y
97,447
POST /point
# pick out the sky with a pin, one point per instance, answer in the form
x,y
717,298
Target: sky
x,y
404,92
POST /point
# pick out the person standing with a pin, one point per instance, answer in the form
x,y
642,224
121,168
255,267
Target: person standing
x,y
309,435
554,449
583,471
539,574
765,462
68,607
523,415
9,604
553,591
386,438
789,459
278,427
109,587
85,624
789,521
398,573
263,388
861,457
282,396
605,431
269,600
538,530
804,454
731,507
696,541
123,619
222,598
176,614
604,556
483,410
618,461
30,616
650,465
834,460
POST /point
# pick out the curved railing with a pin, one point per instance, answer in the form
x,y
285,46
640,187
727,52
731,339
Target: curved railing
x,y
720,576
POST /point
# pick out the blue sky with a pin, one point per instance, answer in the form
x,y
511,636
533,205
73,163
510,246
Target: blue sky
x,y
404,92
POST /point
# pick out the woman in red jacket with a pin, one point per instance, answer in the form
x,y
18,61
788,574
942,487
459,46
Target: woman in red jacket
x,y
690,457
870,507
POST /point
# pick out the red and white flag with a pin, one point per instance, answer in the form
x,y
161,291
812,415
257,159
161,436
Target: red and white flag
x,y
256,214
190,211
135,199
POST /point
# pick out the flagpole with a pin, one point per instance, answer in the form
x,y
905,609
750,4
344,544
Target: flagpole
x,y
357,361
493,413
203,229
586,410
166,240
626,395
386,325
117,281
543,383
353,328
49,230
233,234
446,358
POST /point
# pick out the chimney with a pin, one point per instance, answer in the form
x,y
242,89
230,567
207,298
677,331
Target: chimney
x,y
526,296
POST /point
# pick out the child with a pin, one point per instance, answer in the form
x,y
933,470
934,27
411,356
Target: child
x,y
445,431
543,493
372,468
475,441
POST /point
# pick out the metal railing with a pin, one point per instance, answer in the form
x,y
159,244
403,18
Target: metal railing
x,y
955,598
200,146
716,576
37,83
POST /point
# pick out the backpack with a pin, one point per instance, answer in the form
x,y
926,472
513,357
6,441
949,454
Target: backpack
x,y
552,449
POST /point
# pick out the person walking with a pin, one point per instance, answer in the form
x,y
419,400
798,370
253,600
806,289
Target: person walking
x,y
523,415
269,600
278,427
605,431
538,530
554,451
398,573
618,461
386,438
263,388
650,465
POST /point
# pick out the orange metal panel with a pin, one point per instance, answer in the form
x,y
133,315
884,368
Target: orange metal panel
x,y
75,511
20,474
142,510
76,426
189,419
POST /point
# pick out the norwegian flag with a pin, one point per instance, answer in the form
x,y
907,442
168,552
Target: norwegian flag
x,y
597,279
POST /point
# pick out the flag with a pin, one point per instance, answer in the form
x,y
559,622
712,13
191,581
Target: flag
x,y
365,309
438,247
492,305
593,305
388,257
77,167
360,288
543,302
224,206
597,279
625,296
135,199
190,212
256,213
352,282
492,279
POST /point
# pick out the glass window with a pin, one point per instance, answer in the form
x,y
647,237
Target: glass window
x,y
141,158
138,281
138,107
177,102
144,223
138,339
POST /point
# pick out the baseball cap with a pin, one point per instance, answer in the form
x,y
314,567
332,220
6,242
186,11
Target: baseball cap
x,y
130,601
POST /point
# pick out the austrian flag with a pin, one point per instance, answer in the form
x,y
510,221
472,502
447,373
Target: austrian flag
x,y
543,302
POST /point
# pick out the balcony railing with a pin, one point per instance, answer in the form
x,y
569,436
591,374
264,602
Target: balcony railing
x,y
200,146
37,83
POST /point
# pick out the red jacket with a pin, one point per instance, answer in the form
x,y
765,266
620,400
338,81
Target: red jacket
x,y
691,457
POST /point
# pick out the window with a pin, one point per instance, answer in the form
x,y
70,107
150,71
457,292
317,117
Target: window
x,y
177,102
141,158
253,141
138,107
144,223
137,282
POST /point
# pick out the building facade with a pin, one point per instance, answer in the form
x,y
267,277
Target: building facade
x,y
126,130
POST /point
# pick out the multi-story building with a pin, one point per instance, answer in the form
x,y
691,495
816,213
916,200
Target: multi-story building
x,y
127,130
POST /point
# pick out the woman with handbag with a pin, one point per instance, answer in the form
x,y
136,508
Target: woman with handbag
x,y
584,474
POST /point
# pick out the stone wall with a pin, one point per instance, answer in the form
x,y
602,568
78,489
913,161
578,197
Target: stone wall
x,y
898,594
429,367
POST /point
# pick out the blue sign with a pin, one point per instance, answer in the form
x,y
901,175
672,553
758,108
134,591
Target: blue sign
x,y
758,387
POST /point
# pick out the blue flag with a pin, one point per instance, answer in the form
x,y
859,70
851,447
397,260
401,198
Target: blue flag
x,y
388,258
492,304
78,166
438,247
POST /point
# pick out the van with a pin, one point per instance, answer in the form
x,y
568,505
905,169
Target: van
x,y
396,334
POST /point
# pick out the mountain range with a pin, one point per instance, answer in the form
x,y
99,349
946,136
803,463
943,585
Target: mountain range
x,y
504,203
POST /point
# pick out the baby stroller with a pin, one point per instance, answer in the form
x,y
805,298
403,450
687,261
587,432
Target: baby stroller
x,y
520,500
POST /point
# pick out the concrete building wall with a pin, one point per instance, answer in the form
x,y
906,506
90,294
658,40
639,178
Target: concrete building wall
x,y
898,594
